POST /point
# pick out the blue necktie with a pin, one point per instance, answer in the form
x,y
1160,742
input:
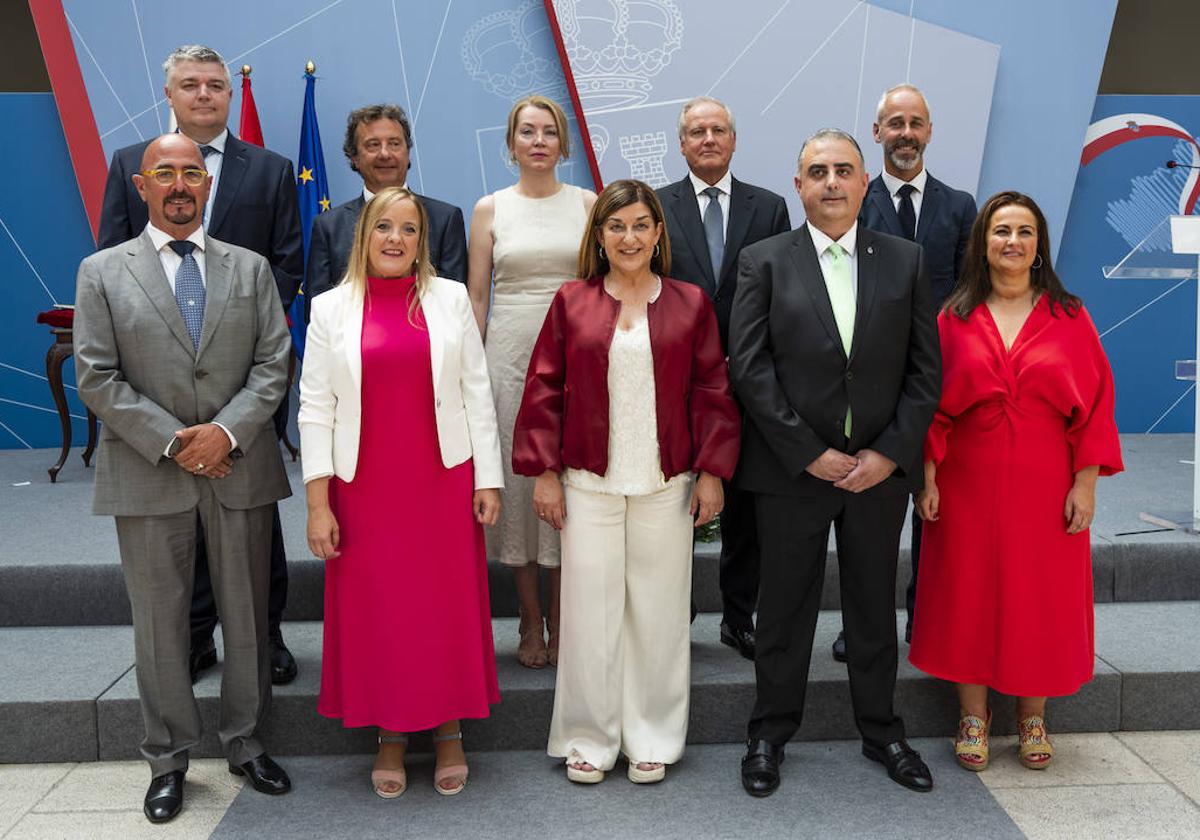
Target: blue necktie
x,y
714,232
189,290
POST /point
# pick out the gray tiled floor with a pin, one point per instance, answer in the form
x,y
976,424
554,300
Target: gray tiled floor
x,y
1127,785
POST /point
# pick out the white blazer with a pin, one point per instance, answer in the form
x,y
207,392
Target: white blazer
x,y
331,385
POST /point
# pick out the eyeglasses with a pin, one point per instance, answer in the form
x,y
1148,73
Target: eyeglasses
x,y
164,176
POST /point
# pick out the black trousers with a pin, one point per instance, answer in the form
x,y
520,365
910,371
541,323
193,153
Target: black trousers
x,y
204,605
910,594
793,535
739,558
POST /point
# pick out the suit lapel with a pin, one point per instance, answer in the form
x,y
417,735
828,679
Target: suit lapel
x,y
931,203
352,320
804,256
868,281
435,322
687,211
146,267
218,286
234,165
741,211
886,209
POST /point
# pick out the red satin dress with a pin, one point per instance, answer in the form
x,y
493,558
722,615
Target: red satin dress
x,y
408,629
1004,593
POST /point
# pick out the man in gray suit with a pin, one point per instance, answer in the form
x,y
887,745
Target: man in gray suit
x,y
181,349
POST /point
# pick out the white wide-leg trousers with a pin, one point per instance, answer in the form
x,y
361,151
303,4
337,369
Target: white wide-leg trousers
x,y
624,659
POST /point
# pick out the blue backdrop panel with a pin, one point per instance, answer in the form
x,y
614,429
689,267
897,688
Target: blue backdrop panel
x,y
1122,199
785,71
455,68
43,235
1051,55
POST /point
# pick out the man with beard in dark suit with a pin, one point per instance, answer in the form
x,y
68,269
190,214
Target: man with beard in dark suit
x,y
834,350
710,217
377,145
905,200
253,204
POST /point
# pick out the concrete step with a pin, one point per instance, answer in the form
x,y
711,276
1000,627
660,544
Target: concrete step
x,y
69,694
93,593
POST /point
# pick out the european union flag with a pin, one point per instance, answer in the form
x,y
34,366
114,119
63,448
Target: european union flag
x,y
313,189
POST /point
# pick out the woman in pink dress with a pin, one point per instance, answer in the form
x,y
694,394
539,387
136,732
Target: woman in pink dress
x,y
402,469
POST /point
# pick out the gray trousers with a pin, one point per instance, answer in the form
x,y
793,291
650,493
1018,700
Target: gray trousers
x,y
158,556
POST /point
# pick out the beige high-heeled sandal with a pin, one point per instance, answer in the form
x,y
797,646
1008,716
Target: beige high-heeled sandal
x,y
453,771
1035,748
399,777
971,745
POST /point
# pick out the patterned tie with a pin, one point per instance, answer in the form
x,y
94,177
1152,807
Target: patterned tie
x,y
840,284
189,290
714,232
205,151
906,212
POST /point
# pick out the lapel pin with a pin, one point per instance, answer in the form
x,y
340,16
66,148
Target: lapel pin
x,y
870,249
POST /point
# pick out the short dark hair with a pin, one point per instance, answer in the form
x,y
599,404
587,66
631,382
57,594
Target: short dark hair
x,y
831,134
369,114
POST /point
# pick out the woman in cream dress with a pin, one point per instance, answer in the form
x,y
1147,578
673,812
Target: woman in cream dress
x,y
523,245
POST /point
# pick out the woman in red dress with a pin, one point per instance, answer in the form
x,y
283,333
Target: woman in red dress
x,y
1024,427
402,468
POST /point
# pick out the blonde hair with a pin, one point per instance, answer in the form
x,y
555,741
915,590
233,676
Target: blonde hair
x,y
617,196
546,104
359,265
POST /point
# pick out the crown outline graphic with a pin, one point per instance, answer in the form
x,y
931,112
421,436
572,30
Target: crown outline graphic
x,y
498,52
616,47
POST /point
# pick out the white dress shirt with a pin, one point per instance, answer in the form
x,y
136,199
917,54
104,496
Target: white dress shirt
x,y
213,164
724,185
848,242
170,260
170,263
894,184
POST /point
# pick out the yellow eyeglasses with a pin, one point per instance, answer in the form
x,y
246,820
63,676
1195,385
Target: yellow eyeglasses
x,y
164,176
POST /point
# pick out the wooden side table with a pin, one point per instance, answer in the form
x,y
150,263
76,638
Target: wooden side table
x,y
59,352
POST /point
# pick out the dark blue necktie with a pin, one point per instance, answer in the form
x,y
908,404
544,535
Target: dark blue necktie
x,y
907,212
714,232
189,290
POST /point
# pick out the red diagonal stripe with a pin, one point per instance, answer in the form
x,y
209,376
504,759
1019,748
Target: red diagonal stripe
x,y
576,105
74,109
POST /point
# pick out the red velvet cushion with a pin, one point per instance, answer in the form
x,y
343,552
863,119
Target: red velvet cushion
x,y
60,318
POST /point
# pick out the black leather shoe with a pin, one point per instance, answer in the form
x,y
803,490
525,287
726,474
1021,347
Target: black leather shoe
x,y
760,768
903,764
264,774
283,664
202,657
164,798
740,640
839,647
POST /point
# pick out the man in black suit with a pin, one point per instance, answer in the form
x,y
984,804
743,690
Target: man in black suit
x,y
377,145
905,200
253,204
710,217
834,350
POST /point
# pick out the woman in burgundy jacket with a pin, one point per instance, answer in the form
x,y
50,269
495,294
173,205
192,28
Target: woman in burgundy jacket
x,y
628,424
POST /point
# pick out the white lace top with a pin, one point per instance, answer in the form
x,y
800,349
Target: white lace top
x,y
634,468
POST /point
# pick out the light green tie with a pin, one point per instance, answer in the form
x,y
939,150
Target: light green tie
x,y
840,284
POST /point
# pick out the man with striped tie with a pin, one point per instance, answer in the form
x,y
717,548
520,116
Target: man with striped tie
x,y
181,350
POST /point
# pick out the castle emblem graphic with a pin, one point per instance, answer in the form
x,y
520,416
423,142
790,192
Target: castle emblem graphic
x,y
645,153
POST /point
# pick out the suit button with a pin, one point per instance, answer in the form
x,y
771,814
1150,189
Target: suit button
x,y
200,374
849,375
